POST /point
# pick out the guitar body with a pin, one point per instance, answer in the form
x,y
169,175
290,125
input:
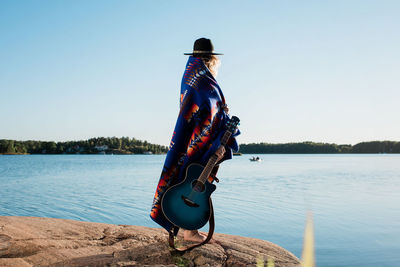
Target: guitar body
x,y
187,204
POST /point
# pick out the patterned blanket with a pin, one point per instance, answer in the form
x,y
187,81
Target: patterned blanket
x,y
199,127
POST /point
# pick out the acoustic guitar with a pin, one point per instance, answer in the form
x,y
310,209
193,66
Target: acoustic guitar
x,y
187,204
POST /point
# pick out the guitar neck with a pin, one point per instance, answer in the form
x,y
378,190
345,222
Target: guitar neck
x,y
213,159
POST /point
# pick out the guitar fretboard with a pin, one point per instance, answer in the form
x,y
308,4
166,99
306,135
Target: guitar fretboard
x,y
213,159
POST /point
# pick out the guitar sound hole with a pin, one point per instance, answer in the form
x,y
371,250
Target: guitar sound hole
x,y
198,186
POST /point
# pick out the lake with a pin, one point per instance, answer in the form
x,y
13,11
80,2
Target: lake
x,y
355,199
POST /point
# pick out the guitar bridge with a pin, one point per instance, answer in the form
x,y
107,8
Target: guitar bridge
x,y
189,202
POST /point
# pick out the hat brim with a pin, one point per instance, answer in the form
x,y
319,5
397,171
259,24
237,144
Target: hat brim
x,y
205,54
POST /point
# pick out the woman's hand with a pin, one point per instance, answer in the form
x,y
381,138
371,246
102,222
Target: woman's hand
x,y
220,152
225,108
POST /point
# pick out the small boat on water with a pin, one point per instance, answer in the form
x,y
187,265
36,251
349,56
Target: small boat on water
x,y
255,159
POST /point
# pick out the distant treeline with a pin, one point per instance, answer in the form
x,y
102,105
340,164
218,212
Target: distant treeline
x,y
101,145
311,147
126,145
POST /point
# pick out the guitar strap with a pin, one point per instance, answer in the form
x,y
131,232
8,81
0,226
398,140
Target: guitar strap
x,y
209,236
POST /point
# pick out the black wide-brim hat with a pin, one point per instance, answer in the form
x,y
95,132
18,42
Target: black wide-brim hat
x,y
202,47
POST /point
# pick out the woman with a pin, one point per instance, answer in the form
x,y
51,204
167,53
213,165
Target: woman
x,y
201,120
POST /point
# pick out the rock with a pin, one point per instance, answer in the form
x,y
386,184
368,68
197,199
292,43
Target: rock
x,y
32,241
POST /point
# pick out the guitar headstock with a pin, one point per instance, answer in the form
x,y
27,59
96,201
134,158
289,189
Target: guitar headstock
x,y
232,124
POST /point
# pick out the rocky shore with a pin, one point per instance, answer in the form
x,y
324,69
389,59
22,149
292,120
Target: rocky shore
x,y
32,241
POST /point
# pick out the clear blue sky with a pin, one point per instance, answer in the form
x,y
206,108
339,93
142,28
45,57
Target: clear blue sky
x,y
324,71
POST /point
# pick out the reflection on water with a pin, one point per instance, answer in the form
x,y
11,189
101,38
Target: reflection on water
x,y
354,198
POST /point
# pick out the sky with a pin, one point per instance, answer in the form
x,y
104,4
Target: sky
x,y
292,71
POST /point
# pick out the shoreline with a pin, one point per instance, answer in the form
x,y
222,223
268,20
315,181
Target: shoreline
x,y
126,145
243,154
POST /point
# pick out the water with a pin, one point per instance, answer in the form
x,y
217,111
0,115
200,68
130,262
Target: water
x,y
354,198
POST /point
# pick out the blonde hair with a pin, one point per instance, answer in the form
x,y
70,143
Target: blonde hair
x,y
212,62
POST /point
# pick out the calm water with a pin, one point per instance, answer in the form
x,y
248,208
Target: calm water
x,y
355,199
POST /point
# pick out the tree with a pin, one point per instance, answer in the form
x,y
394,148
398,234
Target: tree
x,y
10,147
